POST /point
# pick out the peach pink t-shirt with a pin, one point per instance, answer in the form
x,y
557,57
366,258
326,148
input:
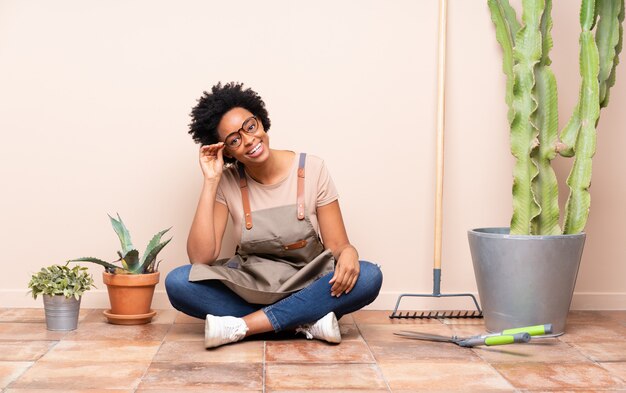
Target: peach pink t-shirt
x,y
319,190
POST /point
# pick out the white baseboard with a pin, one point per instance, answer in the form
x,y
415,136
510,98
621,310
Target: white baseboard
x,y
599,301
386,301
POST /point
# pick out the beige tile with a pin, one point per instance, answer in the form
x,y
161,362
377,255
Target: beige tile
x,y
24,350
603,352
588,332
194,351
93,331
616,368
619,316
186,332
162,317
313,351
575,391
165,316
28,331
585,317
467,330
346,320
443,376
199,390
222,376
558,376
10,371
103,351
32,315
10,390
358,377
539,350
364,390
371,332
464,321
444,389
95,316
81,375
183,318
382,317
350,333
414,350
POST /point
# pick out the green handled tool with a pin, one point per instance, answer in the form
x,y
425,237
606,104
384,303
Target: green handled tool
x,y
537,330
469,342
508,336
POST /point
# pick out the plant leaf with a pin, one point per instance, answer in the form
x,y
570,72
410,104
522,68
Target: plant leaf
x,y
153,243
95,260
122,234
153,254
131,261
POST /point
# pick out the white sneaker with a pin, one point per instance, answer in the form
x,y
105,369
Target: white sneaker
x,y
326,329
223,330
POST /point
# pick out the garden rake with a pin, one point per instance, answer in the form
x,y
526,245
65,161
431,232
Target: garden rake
x,y
439,197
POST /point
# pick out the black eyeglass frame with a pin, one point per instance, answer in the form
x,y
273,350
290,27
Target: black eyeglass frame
x,y
243,128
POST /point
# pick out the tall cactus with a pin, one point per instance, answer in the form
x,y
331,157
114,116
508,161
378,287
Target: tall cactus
x,y
531,94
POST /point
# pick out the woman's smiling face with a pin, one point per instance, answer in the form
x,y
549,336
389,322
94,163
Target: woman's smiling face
x,y
247,140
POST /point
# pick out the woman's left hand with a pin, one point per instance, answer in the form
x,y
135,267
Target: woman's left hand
x,y
346,272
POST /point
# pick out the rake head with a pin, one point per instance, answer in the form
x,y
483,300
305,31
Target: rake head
x,y
478,313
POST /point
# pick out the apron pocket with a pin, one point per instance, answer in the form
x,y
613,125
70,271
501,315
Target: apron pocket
x,y
264,246
295,246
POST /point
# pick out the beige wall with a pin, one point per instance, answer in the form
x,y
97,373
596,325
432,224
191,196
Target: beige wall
x,y
94,104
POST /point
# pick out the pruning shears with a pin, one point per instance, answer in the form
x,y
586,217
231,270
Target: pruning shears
x,y
508,336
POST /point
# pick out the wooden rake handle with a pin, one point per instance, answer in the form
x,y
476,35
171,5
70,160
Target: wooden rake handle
x,y
441,109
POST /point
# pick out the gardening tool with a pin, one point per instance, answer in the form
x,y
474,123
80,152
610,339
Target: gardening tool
x,y
508,336
469,342
439,196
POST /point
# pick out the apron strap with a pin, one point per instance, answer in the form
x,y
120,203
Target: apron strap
x,y
245,198
300,199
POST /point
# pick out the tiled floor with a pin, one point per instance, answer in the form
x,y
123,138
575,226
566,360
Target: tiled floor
x,y
167,356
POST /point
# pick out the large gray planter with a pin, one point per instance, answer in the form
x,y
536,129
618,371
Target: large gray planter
x,y
525,280
61,312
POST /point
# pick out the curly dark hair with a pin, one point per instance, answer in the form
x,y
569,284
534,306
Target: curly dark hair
x,y
207,114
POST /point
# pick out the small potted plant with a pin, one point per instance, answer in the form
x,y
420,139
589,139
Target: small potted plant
x,y
131,284
62,289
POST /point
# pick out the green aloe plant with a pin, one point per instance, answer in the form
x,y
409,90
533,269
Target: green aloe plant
x,y
129,256
531,94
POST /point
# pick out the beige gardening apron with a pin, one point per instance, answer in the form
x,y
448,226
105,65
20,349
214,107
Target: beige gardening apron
x,y
280,251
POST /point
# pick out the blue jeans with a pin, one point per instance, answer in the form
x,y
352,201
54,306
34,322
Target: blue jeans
x,y
305,306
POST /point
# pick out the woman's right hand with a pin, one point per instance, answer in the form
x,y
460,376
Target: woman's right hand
x,y
212,161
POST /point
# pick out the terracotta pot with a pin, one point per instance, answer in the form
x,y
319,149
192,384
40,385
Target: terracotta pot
x,y
130,295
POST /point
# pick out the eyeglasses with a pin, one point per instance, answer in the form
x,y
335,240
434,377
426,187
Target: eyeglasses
x,y
250,126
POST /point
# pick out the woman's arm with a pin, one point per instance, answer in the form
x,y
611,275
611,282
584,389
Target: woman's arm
x,y
207,230
335,238
205,236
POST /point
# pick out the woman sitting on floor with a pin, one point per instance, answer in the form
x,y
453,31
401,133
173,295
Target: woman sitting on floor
x,y
282,276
